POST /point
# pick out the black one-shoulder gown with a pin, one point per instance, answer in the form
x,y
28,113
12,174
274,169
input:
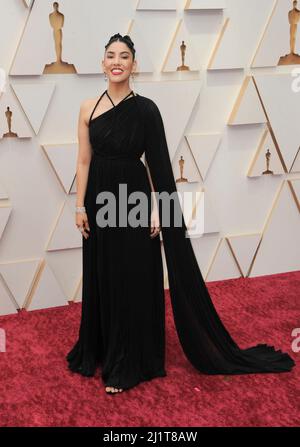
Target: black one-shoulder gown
x,y
122,325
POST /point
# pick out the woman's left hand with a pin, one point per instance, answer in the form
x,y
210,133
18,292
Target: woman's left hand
x,y
155,223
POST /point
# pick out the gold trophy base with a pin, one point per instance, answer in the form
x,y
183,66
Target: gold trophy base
x,y
268,172
181,180
289,59
59,67
10,135
183,68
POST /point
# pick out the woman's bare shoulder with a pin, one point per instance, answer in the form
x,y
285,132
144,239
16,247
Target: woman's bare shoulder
x,y
86,108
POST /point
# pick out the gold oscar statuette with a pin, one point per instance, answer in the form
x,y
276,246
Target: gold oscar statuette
x,y
293,17
9,134
56,20
181,165
182,67
268,156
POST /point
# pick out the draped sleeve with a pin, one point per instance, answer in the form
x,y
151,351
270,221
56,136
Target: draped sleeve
x,y
205,341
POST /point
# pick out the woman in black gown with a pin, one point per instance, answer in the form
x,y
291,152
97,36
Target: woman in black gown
x,y
122,325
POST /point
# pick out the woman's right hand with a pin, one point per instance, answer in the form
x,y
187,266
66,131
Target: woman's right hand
x,y
83,224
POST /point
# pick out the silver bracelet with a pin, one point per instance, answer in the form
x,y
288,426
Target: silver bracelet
x,y
80,209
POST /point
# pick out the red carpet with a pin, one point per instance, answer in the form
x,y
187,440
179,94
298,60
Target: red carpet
x,y
37,389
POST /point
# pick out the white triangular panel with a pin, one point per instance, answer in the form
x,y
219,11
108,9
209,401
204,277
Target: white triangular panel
x,y
244,247
144,63
279,248
247,109
3,193
223,265
259,162
3,80
35,109
296,163
205,220
145,5
4,216
240,34
73,189
78,292
63,159
204,148
173,59
19,124
205,4
86,29
276,39
33,53
193,218
205,248
190,170
278,95
25,272
295,184
47,292
6,305
167,95
65,234
189,195
28,3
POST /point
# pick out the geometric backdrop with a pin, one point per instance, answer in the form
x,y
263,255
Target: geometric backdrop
x,y
232,117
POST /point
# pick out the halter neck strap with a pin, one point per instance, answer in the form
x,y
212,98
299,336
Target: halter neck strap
x,y
130,93
106,92
96,106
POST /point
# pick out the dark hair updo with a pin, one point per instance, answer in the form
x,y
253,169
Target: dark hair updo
x,y
126,39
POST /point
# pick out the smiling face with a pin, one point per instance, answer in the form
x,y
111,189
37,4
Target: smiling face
x,y
118,62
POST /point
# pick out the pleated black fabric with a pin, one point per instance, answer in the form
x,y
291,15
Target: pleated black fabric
x,y
123,309
122,325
